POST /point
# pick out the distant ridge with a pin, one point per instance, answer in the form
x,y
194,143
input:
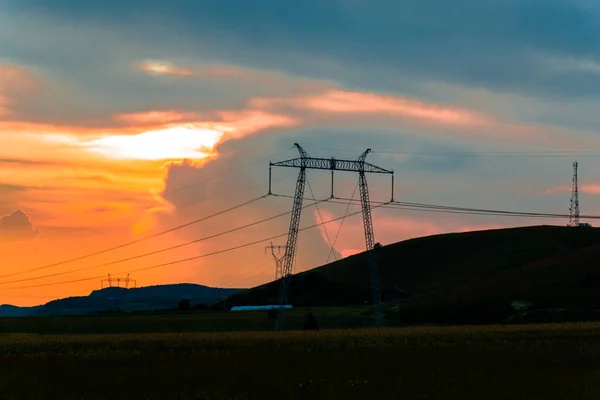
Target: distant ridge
x,y
148,298
469,277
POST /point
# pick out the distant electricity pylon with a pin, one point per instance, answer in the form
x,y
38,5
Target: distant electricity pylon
x,y
574,209
306,162
117,282
278,259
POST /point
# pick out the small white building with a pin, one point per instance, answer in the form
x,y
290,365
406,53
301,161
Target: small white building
x,y
258,308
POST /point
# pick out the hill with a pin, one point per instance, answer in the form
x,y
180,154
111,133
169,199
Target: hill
x,y
471,277
147,298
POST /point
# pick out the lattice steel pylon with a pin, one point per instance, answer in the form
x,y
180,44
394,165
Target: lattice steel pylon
x,y
359,165
110,281
370,241
574,209
278,259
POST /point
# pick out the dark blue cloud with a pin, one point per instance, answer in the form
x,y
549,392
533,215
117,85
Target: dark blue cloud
x,y
492,44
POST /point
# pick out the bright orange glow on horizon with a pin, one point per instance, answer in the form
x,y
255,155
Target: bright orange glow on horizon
x,y
176,142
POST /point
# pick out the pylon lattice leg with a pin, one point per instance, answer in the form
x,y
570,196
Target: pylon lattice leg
x,y
370,244
290,250
574,209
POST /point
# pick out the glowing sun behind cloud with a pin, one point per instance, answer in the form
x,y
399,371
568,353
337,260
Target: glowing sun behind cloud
x,y
183,141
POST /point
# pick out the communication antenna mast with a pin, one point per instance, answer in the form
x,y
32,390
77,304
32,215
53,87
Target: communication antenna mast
x,y
574,209
359,165
278,259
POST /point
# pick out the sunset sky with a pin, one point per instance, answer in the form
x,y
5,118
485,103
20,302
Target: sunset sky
x,y
120,119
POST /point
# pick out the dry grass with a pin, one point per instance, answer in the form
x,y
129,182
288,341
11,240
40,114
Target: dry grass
x,y
508,362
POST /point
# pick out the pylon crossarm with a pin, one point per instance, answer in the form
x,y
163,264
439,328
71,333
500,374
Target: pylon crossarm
x,y
332,164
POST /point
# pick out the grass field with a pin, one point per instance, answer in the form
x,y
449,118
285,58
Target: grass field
x,y
493,362
199,321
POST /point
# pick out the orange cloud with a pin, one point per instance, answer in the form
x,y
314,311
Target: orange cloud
x,y
16,77
164,68
155,117
235,123
158,67
194,140
230,71
177,142
323,103
17,226
242,123
588,189
338,101
4,105
13,80
269,80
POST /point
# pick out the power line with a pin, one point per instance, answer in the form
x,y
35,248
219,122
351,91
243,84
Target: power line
x,y
221,277
44,235
509,154
156,251
450,209
259,268
320,217
332,250
189,258
490,154
137,240
387,205
229,193
483,210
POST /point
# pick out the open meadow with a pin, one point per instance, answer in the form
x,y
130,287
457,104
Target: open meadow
x,y
560,361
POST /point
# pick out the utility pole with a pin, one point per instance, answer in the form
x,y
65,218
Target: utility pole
x,y
574,209
359,165
278,259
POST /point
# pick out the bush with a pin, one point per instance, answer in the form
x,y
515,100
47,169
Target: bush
x,y
184,305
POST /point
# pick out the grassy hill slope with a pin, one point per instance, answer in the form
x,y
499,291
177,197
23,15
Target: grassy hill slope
x,y
460,277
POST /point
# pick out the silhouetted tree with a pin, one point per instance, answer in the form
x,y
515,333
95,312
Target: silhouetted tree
x,y
311,322
184,305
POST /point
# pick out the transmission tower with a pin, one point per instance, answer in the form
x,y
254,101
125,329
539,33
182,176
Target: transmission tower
x,y
278,259
110,281
359,165
574,209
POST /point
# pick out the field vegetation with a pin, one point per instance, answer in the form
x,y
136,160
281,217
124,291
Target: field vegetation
x,y
494,362
187,321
